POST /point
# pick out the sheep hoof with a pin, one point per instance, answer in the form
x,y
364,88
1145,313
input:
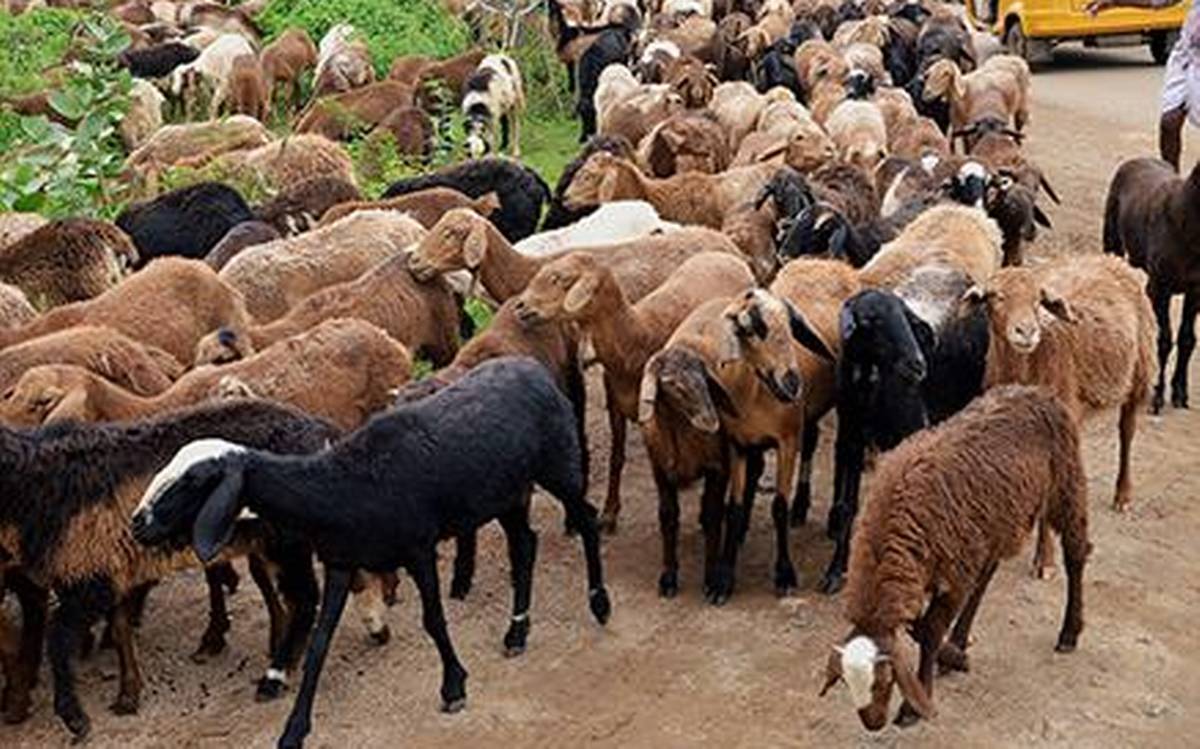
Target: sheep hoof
x,y
600,605
126,704
951,658
454,706
382,636
211,645
907,716
785,579
1156,403
1066,644
76,721
515,638
1179,397
721,588
832,583
668,584
269,689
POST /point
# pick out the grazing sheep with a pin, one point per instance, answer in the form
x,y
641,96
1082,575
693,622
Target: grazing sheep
x,y
412,131
578,288
211,67
1096,355
171,304
284,61
67,260
426,207
399,507
195,144
1146,218
73,489
341,370
208,210
298,208
494,92
342,115
288,161
946,507
243,91
141,369
158,61
451,73
343,62
520,189
245,234
144,117
274,277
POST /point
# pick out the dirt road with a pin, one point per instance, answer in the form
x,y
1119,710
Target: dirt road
x,y
679,673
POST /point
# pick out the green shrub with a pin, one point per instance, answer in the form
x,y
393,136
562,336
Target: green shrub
x,y
32,42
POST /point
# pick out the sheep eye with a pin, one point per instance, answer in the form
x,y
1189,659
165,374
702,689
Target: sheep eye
x,y
8,394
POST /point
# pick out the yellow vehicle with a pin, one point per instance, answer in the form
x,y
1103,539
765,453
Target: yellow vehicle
x,y
1031,28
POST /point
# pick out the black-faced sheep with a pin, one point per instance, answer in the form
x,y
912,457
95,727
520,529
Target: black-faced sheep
x,y
946,507
157,61
612,46
493,93
364,513
186,222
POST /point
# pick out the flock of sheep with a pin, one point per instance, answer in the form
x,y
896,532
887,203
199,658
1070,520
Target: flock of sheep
x,y
768,221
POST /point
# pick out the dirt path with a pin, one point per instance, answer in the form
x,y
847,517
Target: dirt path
x,y
680,673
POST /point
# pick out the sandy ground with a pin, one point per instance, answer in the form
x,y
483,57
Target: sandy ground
x,y
674,673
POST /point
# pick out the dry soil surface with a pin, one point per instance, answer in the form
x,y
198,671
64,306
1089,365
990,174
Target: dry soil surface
x,y
676,673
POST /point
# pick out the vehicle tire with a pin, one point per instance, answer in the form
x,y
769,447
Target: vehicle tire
x,y
1161,43
1015,41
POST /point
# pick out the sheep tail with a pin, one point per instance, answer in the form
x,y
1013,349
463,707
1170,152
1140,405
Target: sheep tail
x,y
1112,232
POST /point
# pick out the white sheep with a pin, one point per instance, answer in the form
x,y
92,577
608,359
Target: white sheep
x,y
213,65
494,91
619,221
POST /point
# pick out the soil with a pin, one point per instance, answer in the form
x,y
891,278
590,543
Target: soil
x,y
667,673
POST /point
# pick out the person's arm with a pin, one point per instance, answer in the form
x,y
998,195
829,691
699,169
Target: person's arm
x,y
1095,6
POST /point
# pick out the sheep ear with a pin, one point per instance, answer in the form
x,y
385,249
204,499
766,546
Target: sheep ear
x,y
72,406
833,671
805,335
976,295
838,241
608,186
475,245
912,690
487,204
214,525
1058,307
772,152
1045,185
922,331
721,399
581,292
1040,216
846,323
648,392
729,348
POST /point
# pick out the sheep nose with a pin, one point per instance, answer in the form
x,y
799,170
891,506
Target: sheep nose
x,y
1024,336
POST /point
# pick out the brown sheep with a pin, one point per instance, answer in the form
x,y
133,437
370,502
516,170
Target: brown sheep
x,y
752,229
451,73
692,198
343,63
244,235
340,116
14,225
411,130
425,206
274,277
243,91
67,260
997,90
463,240
684,142
171,303
341,370
954,235
284,62
692,80
288,161
195,145
579,288
1099,352
297,208
817,60
139,368
15,308
946,506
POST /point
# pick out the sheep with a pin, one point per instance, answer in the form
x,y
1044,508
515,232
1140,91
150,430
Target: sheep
x,y
520,189
426,207
244,235
1015,209
341,371
402,506
752,229
773,22
1096,355
737,106
858,130
219,18
284,61
691,198
1146,215
207,209
558,215
158,61
243,90
734,65
493,92
342,115
195,144
962,237
67,260
819,61
74,489
691,79
144,117
411,130
994,144
425,317
998,89
946,507
299,207
653,61
288,161
139,368
611,47
464,241
343,62
578,288
15,308
917,138
213,66
451,73
170,304
684,142
274,277
612,223
15,224
798,141
636,112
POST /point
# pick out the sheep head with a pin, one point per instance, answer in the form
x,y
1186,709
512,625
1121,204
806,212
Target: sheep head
x,y
48,394
596,182
761,332
458,241
943,80
678,379
808,148
1019,307
870,667
568,288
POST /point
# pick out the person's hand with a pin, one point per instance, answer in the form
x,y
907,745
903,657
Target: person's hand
x,y
1095,6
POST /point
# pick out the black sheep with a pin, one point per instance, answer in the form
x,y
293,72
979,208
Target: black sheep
x,y
558,215
520,189
777,68
383,497
61,482
157,61
896,376
298,208
822,229
611,46
187,222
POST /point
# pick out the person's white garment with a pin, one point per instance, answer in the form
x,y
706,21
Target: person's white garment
x,y
1181,82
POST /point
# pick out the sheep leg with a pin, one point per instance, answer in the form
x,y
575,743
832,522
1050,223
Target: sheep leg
x,y
522,551
22,669
1160,299
212,642
333,602
75,612
785,472
516,134
755,466
297,586
577,393
464,565
712,505
1126,428
1184,346
847,477
582,517
803,498
668,526
735,520
616,461
1070,520
952,656
929,632
454,676
129,695
505,126
1043,552
261,576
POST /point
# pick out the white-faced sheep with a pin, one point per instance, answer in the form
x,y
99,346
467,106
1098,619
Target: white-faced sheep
x,y
494,93
343,62
946,507
212,67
